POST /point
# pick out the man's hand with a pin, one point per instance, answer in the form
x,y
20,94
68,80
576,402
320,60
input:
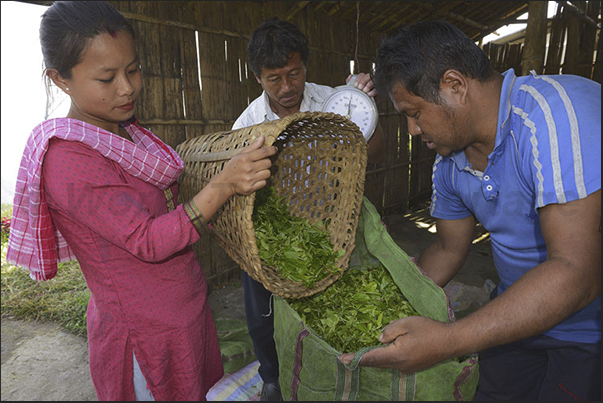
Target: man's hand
x,y
376,145
543,296
412,344
365,83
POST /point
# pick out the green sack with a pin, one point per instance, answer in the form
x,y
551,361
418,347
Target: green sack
x,y
235,343
309,368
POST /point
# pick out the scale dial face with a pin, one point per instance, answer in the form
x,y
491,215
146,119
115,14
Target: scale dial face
x,y
356,105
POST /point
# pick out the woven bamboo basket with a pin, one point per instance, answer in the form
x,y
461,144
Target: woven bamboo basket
x,y
319,169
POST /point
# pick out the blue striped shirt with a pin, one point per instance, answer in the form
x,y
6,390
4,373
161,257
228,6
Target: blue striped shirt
x,y
547,150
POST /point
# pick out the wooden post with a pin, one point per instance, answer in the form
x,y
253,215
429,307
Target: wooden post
x,y
572,51
534,47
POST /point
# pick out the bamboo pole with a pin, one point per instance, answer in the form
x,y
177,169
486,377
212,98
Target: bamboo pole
x,y
533,51
572,50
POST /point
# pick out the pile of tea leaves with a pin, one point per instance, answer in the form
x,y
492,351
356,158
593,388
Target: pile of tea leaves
x,y
302,252
352,312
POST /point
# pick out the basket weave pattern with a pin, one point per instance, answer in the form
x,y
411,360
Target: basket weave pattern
x,y
319,169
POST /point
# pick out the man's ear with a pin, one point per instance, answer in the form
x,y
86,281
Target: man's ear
x,y
257,79
58,80
454,83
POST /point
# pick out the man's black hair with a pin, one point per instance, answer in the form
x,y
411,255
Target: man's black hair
x,y
273,44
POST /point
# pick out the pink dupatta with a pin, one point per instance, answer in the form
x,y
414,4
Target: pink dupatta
x,y
34,242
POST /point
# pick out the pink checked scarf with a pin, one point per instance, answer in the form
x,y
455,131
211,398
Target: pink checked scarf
x,y
34,242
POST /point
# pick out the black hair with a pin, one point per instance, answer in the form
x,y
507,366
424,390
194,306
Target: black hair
x,y
418,55
67,27
273,43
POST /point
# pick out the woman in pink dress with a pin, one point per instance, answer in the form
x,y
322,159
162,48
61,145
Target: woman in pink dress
x,y
97,187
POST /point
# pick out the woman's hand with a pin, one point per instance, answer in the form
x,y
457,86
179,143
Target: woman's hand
x,y
247,171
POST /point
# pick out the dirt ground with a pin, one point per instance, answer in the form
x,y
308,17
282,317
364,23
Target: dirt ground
x,y
40,362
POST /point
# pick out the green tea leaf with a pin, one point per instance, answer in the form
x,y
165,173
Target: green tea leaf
x,y
302,252
352,312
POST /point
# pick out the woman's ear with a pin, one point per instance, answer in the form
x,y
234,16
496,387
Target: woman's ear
x,y
58,80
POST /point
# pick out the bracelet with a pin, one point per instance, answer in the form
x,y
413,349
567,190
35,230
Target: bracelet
x,y
197,219
169,199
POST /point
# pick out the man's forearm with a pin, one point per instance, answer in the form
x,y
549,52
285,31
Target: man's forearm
x,y
445,256
536,302
439,265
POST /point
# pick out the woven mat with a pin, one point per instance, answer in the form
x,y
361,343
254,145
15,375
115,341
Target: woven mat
x,y
242,385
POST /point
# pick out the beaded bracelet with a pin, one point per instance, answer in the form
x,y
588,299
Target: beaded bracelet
x,y
197,219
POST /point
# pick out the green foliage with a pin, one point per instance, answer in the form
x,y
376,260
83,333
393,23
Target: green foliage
x,y
7,210
7,213
352,312
63,299
301,251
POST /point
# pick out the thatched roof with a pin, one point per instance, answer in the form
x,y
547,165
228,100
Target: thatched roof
x,y
476,18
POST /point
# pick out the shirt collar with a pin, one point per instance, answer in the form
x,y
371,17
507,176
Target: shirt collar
x,y
504,109
309,98
268,113
460,160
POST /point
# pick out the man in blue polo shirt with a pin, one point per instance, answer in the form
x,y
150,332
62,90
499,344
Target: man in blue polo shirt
x,y
522,156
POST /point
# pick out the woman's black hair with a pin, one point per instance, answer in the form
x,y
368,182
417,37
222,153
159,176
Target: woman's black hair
x,y
68,26
417,56
273,43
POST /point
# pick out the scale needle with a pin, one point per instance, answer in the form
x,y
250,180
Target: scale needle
x,y
349,115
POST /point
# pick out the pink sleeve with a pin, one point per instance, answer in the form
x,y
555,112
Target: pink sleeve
x,y
97,194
